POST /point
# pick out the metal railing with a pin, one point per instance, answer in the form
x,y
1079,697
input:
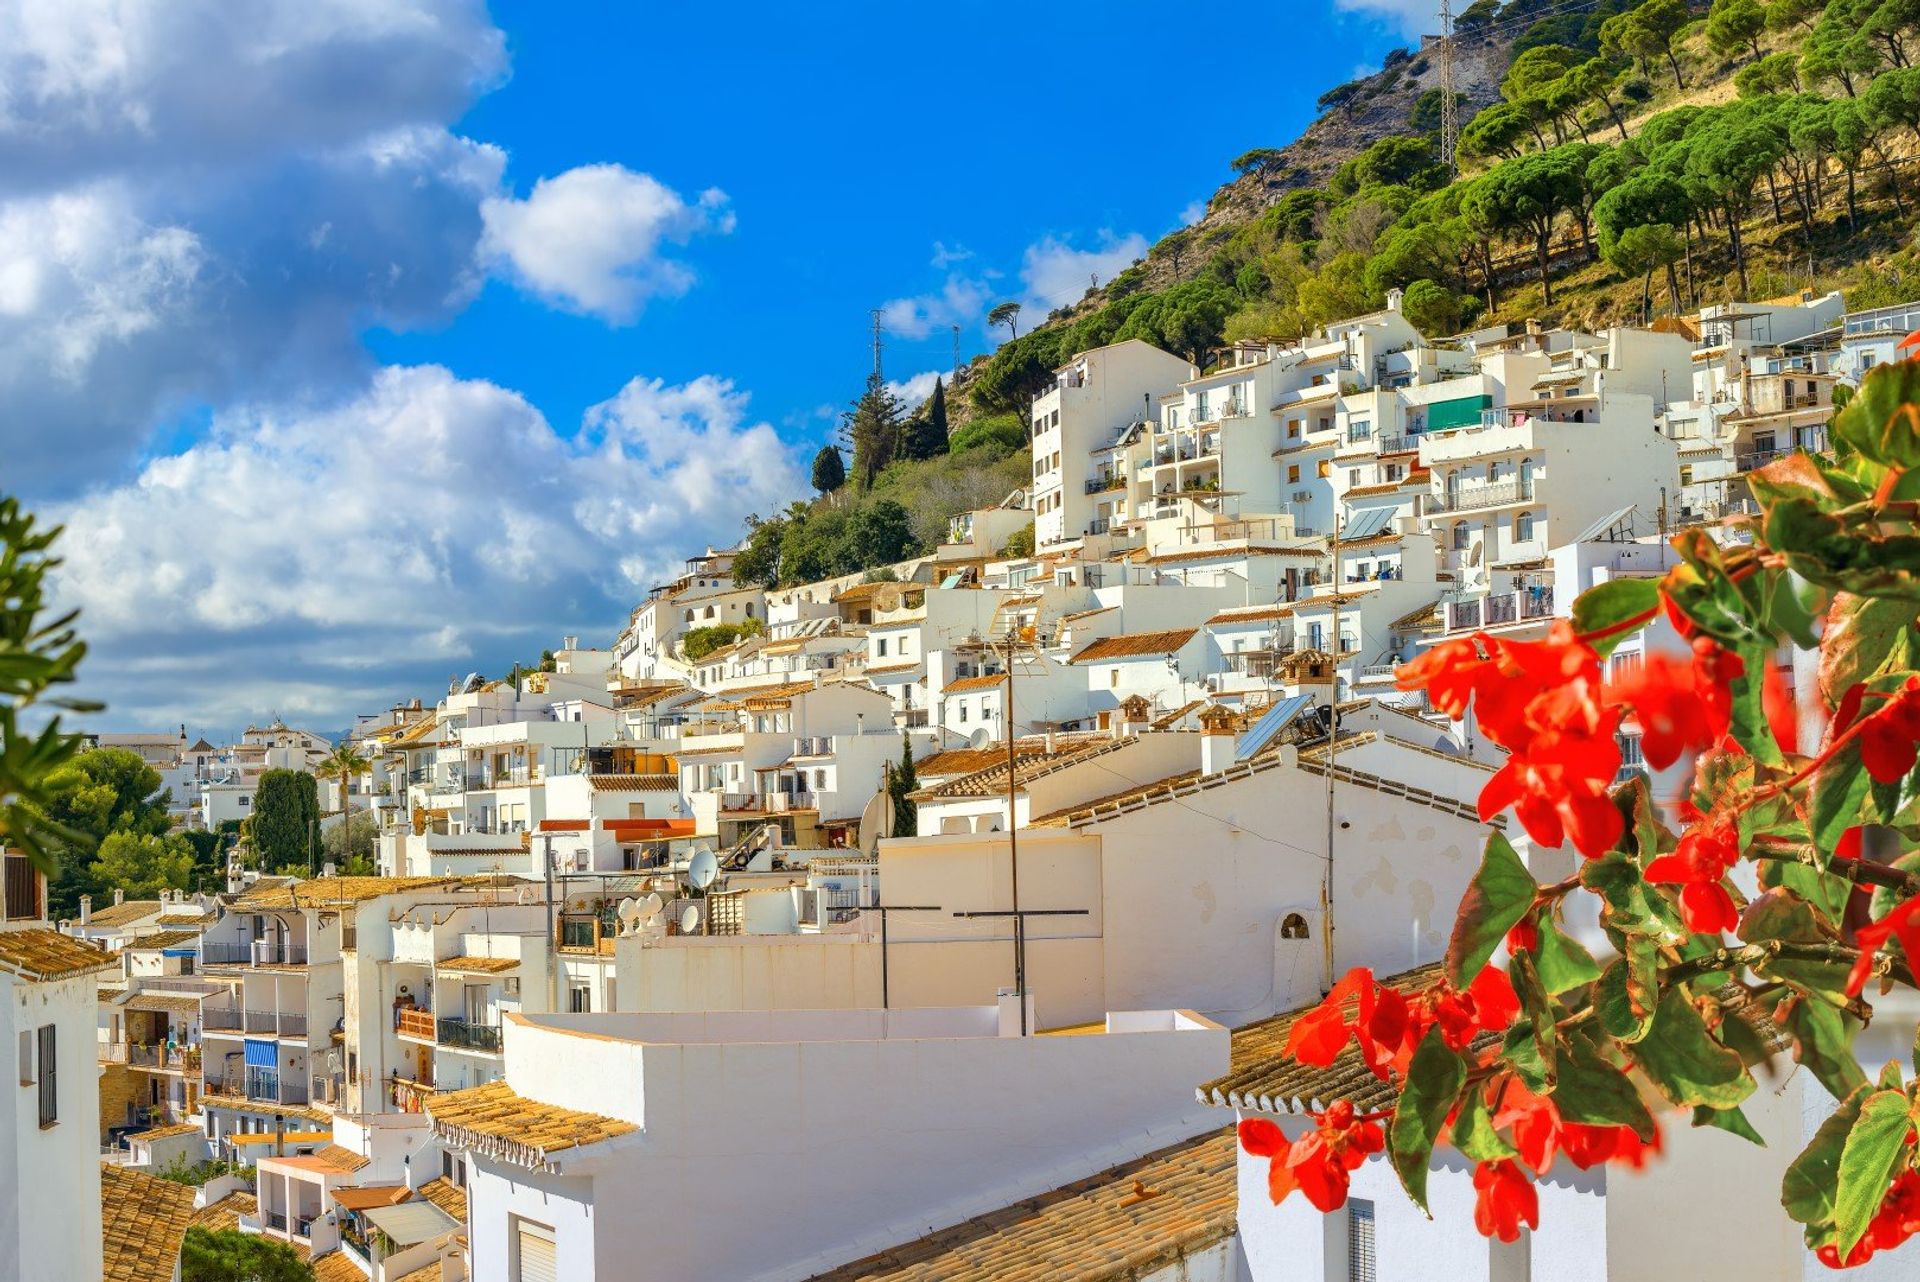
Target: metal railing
x,y
1483,496
222,1019
1524,604
260,952
1102,484
262,1021
460,1034
1748,460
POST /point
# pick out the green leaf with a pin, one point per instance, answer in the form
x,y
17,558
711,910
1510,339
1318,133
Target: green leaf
x,y
1780,915
1874,1146
1859,636
1791,605
1499,896
1610,604
1620,1014
1684,1062
1882,421
1563,964
1520,1050
1841,791
1434,1079
1806,1191
1750,727
1474,1133
1823,1042
1632,906
1592,1091
1728,1119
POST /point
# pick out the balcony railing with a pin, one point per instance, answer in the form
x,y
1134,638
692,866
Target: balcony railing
x,y
260,952
275,1221
262,1021
1102,484
1099,525
410,1021
222,1019
1748,460
1523,605
767,803
1483,496
182,1058
461,1035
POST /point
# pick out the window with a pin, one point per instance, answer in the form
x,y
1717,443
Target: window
x,y
1293,429
880,648
1460,536
1360,1250
49,1082
1353,476
1326,468
1686,474
534,1257
580,999
962,714
1293,473
1522,527
245,801
1113,678
1295,927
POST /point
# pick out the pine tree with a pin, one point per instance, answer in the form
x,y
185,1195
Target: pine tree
x,y
926,435
902,782
873,427
829,469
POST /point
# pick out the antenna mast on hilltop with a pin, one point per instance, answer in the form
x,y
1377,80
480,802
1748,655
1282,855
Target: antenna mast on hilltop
x,y
1449,105
876,341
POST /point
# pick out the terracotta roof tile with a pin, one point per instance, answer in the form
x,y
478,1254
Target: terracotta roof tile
x,y
195,922
446,1195
478,965
125,914
503,1124
359,1197
168,1132
991,681
42,954
991,781
964,761
1129,1221
1223,553
143,1218
164,939
1135,645
343,892
634,783
1254,614
334,1266
226,1213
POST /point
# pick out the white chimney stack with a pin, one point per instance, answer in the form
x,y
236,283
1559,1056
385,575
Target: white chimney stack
x,y
86,909
1218,743
119,897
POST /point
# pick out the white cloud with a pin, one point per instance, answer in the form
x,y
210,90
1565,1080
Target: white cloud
x,y
286,562
590,239
1410,18
1056,274
961,301
1193,213
912,391
945,255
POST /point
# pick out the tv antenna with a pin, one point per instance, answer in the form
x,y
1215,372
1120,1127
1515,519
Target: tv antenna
x,y
876,342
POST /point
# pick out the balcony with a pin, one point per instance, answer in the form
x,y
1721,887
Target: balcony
x,y
767,803
1099,525
1523,606
1104,484
261,952
1480,497
411,1021
461,1035
179,1059
817,746
222,1019
1748,460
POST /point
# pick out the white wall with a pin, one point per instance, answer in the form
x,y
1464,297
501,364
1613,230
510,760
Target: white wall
x,y
50,1178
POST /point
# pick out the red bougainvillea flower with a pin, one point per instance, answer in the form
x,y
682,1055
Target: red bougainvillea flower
x,y
1889,736
1900,923
1680,706
1525,935
1507,1199
1707,852
1318,1037
1319,1161
1388,1025
1897,1220
1451,673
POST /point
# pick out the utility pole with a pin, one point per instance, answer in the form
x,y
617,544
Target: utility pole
x,y
1333,741
1449,105
883,910
956,355
1013,842
876,341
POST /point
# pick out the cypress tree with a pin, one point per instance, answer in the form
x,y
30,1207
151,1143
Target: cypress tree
x,y
873,428
829,470
901,782
927,430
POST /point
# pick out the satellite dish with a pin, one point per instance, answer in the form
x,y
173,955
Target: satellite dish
x,y
649,908
629,911
702,869
876,820
1473,557
689,919
980,738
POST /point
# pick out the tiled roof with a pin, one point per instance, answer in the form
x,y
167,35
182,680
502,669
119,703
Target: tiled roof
x,y
991,781
168,1132
44,954
1162,722
124,914
331,1160
1135,645
1261,1076
361,1196
142,1220
1375,540
634,783
1078,615
502,1124
172,1003
415,735
1354,592
990,682
428,1272
1221,554
1427,616
892,669
334,1266
1250,614
1115,800
342,892
195,922
1134,1220
164,939
478,965
964,761
226,1213
446,1195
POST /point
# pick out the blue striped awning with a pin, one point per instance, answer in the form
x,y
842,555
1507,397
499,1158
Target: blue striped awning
x,y
262,1054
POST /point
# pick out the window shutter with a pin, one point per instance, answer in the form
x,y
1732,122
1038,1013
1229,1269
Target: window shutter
x,y
534,1247
49,1084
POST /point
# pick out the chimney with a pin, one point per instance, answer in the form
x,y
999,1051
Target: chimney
x,y
1217,740
86,909
570,643
1135,713
119,897
1394,298
327,869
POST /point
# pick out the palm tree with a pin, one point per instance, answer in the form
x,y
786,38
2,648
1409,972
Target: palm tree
x,y
344,764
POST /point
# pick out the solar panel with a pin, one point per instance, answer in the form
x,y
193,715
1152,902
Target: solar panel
x,y
1276,719
1367,523
1605,526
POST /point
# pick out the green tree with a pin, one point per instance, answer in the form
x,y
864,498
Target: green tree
x,y
925,435
228,1255
351,845
1735,25
1730,156
1262,163
1526,197
143,865
999,433
1894,99
38,656
878,532
1645,250
345,764
1432,308
829,474
103,791
1647,33
1007,314
873,427
758,561
1500,130
1019,543
902,783
286,812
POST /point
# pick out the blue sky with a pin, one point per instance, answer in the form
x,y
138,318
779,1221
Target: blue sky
x,y
365,343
